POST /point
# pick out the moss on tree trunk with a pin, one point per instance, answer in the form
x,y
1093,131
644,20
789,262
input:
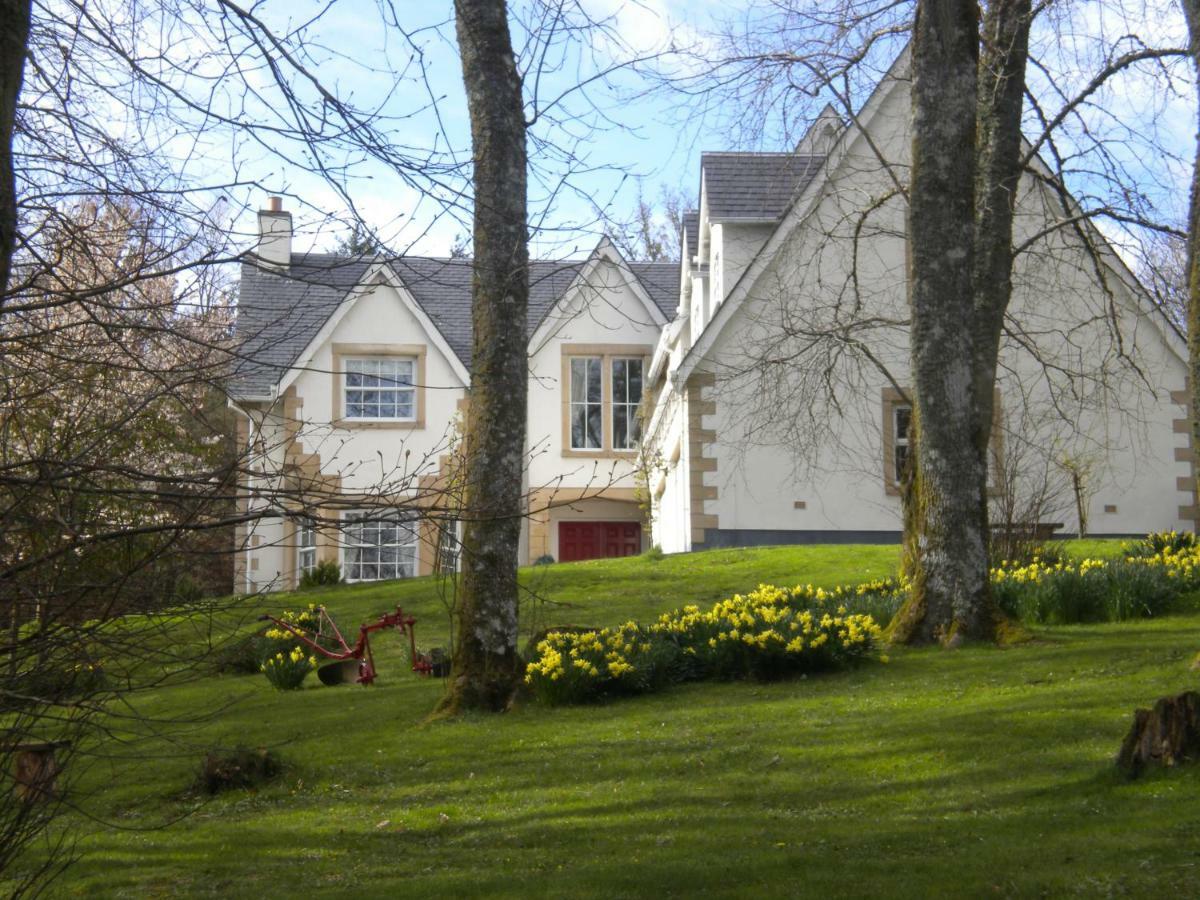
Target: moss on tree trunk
x,y
965,170
486,666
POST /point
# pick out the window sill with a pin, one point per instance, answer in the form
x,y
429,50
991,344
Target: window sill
x,y
378,423
599,454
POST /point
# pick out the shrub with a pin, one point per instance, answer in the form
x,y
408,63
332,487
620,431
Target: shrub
x,y
287,671
188,591
240,768
69,674
653,553
240,656
324,574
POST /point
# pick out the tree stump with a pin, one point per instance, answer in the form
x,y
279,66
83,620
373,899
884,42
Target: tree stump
x,y
35,770
1167,735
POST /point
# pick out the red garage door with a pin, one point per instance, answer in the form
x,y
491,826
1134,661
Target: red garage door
x,y
597,540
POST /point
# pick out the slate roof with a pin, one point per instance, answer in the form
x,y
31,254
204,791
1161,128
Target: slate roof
x,y
280,313
754,185
691,231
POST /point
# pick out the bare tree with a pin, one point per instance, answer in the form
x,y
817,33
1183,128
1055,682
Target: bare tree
x,y
14,26
654,232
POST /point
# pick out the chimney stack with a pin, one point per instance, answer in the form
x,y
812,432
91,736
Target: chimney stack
x,y
275,234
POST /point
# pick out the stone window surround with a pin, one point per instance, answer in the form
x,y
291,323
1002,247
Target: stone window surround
x,y
892,398
342,352
606,352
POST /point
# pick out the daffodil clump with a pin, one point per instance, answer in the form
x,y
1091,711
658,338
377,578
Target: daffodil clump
x,y
283,659
571,667
281,639
287,671
769,633
1148,580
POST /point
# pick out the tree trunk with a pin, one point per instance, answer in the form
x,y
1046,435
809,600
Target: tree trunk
x,y
485,662
1191,13
948,496
966,168
14,39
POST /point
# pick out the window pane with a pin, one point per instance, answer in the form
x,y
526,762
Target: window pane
x,y
635,381
594,428
578,380
578,418
903,417
619,381
593,380
621,426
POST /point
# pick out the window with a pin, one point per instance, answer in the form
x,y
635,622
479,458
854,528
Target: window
x,y
901,422
626,395
897,438
306,549
447,549
379,546
602,387
380,389
587,403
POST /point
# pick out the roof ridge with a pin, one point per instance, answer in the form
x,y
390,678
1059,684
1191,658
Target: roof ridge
x,y
764,153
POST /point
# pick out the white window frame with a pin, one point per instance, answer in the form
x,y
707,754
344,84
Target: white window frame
x,y
403,563
449,545
585,405
633,425
397,389
306,549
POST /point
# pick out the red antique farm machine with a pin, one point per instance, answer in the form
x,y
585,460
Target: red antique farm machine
x,y
356,664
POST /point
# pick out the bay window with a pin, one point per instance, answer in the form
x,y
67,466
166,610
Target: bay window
x,y
379,546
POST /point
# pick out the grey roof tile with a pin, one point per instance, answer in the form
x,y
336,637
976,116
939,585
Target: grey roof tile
x,y
754,185
279,313
691,231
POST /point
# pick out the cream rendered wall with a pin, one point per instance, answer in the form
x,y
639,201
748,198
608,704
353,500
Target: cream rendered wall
x,y
373,459
384,457
739,242
606,314
264,538
832,461
669,483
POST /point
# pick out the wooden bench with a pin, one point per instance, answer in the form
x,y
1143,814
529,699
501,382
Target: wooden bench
x,y
1039,532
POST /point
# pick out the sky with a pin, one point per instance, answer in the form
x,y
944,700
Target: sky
x,y
591,150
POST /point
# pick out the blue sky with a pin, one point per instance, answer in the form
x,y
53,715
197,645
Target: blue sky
x,y
619,134
616,133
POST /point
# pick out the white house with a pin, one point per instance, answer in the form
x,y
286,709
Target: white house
x,y
780,391
764,378
353,375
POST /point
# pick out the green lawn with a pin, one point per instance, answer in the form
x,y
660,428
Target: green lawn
x,y
967,773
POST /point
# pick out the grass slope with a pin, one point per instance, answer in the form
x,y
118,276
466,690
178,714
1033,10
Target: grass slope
x,y
968,773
